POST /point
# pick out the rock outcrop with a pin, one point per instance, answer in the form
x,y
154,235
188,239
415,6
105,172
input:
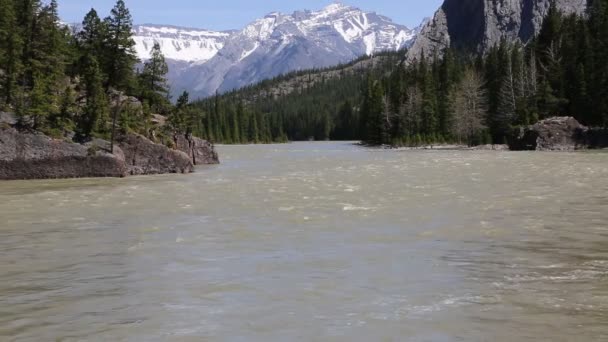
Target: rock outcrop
x,y
144,157
7,119
477,25
200,151
36,156
33,155
557,134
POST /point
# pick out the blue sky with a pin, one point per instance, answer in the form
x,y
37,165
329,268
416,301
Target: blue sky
x,y
234,14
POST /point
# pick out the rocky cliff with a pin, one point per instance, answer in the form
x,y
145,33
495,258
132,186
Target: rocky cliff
x,y
477,25
32,155
200,151
36,156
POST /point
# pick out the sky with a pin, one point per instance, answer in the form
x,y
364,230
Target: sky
x,y
235,14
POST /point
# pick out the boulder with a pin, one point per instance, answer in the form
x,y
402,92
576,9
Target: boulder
x,y
144,157
118,98
553,134
200,151
36,156
8,119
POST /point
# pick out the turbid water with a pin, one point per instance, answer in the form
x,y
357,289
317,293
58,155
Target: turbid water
x,y
314,242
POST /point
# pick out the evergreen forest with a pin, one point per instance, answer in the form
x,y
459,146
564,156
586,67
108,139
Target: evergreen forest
x,y
72,81
456,97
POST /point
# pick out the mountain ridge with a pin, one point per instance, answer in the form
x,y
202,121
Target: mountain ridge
x,y
205,61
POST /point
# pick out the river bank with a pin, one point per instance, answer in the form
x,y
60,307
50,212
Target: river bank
x,y
26,154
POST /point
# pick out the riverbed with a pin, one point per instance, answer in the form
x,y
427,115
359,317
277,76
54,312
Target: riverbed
x,y
314,242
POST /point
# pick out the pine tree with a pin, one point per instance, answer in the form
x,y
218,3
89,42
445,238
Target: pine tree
x,y
598,28
39,105
95,113
508,98
10,45
91,38
64,119
119,46
242,119
447,78
153,80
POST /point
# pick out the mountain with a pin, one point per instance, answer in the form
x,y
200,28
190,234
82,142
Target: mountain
x,y
179,43
477,25
203,62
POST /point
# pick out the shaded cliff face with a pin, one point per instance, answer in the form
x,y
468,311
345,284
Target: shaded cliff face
x,y
477,25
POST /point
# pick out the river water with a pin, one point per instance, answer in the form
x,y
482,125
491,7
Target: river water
x,y
314,242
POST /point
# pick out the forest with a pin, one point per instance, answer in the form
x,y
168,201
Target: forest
x,y
68,81
458,97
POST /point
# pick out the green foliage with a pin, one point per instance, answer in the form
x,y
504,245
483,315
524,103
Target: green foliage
x,y
57,80
563,71
153,82
119,48
95,113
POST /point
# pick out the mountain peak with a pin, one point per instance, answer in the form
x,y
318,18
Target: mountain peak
x,y
274,44
336,6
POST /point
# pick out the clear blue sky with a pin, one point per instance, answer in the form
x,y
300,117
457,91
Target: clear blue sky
x,y
235,14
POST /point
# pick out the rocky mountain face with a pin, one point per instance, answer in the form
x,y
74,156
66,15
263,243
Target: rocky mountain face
x,y
203,62
478,25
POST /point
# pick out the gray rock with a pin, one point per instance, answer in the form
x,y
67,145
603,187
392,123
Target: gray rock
x,y
30,155
8,119
118,98
200,151
478,25
144,157
36,156
553,134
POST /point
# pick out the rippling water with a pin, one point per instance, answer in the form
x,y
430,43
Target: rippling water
x,y
314,242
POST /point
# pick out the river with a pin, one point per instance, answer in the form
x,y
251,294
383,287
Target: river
x,y
314,242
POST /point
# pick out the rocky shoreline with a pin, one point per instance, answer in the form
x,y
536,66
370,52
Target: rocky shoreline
x,y
558,134
553,134
33,155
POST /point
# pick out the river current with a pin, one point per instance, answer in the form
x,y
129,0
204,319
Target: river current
x,y
314,242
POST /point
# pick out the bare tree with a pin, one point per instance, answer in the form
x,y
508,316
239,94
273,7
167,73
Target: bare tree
x,y
532,76
507,104
469,106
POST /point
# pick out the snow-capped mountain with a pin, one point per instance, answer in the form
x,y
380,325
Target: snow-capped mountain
x,y
178,43
203,62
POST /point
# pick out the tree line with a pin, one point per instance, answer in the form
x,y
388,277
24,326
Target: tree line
x,y
458,97
60,79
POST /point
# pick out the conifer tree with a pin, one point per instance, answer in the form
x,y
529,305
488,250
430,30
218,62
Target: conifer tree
x,y
119,46
10,44
179,118
95,113
91,38
153,80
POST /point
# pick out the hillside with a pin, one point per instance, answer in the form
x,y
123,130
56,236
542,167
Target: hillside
x,y
297,106
469,94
